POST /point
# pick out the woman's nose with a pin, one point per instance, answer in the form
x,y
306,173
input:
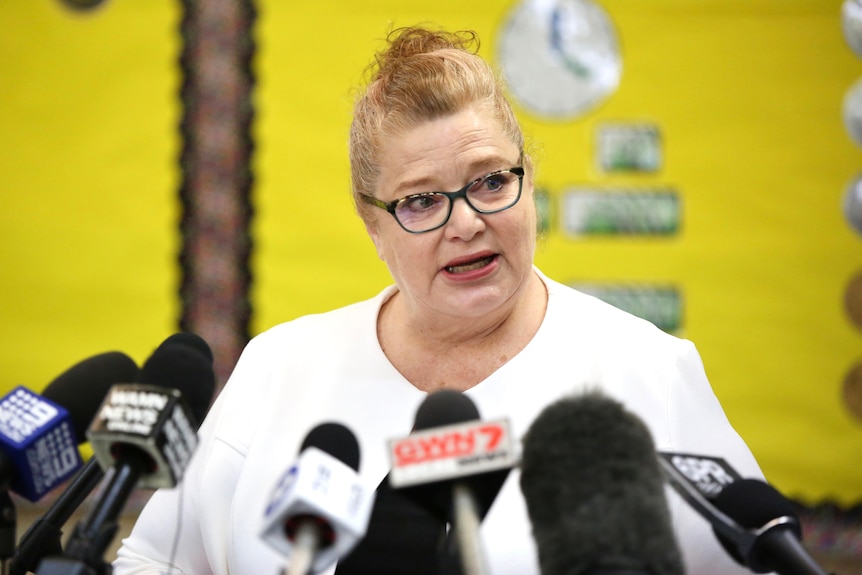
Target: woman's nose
x,y
464,222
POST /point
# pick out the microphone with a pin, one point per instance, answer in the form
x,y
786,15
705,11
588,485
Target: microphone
x,y
453,464
152,425
757,526
80,389
39,447
705,473
184,361
38,451
320,508
144,433
595,493
777,547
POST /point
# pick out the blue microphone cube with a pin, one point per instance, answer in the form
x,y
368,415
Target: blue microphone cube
x,y
38,437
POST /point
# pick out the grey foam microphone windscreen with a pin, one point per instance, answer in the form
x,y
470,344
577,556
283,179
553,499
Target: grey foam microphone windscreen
x,y
595,492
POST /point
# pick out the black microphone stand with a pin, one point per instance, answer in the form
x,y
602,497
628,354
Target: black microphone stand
x,y
8,515
87,545
8,521
44,537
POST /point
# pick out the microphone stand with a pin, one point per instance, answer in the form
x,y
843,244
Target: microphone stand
x,y
8,520
90,539
466,530
44,537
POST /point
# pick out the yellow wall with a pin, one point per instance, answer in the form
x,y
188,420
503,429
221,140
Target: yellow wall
x,y
88,147
747,95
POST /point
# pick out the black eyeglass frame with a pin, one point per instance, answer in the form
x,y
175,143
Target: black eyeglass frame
x,y
452,196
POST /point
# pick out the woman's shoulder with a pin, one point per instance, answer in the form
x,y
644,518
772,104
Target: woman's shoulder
x,y
340,322
279,361
573,310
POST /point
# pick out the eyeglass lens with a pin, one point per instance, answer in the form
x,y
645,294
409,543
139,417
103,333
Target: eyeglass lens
x,y
492,193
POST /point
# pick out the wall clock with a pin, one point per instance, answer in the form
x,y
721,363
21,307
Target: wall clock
x,y
559,58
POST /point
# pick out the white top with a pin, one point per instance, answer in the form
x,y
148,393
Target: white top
x,y
330,367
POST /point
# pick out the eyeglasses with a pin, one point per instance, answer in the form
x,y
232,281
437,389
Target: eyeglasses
x,y
428,211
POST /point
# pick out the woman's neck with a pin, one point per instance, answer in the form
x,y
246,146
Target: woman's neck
x,y
458,354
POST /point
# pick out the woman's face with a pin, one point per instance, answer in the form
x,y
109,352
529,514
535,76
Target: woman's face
x,y
476,263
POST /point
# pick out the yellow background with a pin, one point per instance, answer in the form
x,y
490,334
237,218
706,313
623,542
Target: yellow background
x,y
747,95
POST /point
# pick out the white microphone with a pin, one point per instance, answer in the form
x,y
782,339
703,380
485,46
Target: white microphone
x,y
320,507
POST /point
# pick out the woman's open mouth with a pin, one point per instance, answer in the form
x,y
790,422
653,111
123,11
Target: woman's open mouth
x,y
470,266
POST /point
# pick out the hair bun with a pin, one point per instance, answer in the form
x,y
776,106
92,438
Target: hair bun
x,y
407,42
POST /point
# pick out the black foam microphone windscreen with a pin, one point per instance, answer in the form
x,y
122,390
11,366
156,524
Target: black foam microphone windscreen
x,y
773,519
595,492
177,364
81,388
335,439
752,504
444,407
190,339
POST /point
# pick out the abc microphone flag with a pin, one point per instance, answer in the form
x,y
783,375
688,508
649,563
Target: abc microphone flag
x,y
38,437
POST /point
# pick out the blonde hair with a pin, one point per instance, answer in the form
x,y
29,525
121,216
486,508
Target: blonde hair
x,y
421,75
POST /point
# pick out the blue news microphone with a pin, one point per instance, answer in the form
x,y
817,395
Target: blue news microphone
x,y
38,451
38,440
39,435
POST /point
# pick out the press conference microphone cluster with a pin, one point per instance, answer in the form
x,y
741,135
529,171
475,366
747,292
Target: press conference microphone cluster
x,y
454,464
80,390
756,525
39,436
320,507
595,493
143,436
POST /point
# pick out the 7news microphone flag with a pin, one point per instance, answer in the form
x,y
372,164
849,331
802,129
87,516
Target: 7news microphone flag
x,y
453,464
